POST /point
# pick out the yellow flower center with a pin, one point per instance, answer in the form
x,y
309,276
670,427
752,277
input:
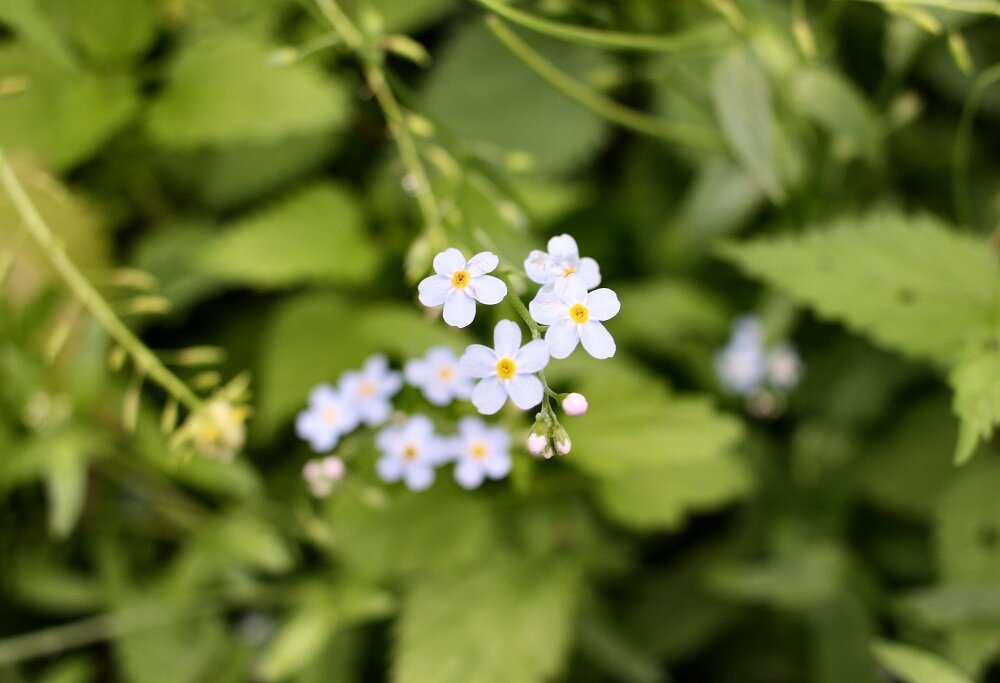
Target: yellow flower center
x,y
578,313
446,373
367,389
460,280
568,270
329,415
410,452
506,368
479,450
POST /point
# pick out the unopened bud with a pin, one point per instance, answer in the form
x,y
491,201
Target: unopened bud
x,y
575,404
537,444
561,441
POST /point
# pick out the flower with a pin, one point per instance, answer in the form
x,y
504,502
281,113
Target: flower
x,y
574,316
742,366
323,474
575,404
561,440
537,443
506,370
218,430
410,451
439,376
369,390
784,367
561,261
480,452
458,284
328,417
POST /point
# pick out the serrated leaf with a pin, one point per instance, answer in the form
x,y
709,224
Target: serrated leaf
x,y
742,99
976,381
315,235
908,282
914,665
507,620
835,104
225,91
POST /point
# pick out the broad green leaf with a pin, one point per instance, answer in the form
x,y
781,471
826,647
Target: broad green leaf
x,y
743,105
315,235
913,665
506,620
70,670
967,524
238,538
112,31
553,130
909,282
225,91
684,312
840,630
185,648
171,253
950,606
976,381
835,104
62,115
31,26
44,583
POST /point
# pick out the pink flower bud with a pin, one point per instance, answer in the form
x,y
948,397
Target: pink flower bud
x,y
575,404
537,444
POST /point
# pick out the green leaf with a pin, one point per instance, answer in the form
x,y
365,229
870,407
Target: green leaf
x,y
742,97
63,115
555,131
991,7
976,381
914,665
185,649
685,313
33,27
407,17
835,104
315,235
225,91
507,620
908,282
237,538
840,630
112,31
967,524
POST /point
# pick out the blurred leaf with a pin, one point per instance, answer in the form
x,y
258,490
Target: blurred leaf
x,y
506,620
406,17
112,31
914,665
967,524
170,253
54,588
33,27
314,235
910,283
184,650
953,605
64,114
835,104
976,381
237,537
605,647
555,131
742,98
64,457
841,629
215,96
684,312
70,670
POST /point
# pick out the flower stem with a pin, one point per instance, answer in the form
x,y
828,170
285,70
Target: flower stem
x,y
53,249
536,333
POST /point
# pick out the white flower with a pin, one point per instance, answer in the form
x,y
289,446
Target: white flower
x,y
742,364
480,452
507,369
575,404
784,367
328,417
561,261
574,316
458,284
439,376
323,474
410,452
218,430
369,390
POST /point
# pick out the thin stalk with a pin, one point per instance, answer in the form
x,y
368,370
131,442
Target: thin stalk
x,y
671,131
592,37
967,6
963,144
53,249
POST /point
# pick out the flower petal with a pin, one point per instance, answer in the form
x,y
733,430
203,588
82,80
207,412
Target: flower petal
x,y
532,357
375,412
323,393
546,309
603,304
417,372
489,396
563,248
562,337
469,474
589,272
538,266
389,469
498,465
419,476
488,289
459,309
506,338
525,391
481,263
570,290
596,339
448,261
433,290
478,361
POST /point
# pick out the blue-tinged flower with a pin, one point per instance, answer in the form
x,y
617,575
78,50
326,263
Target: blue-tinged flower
x,y
369,390
506,370
480,452
322,474
439,376
784,367
328,417
459,284
742,364
562,260
410,451
575,316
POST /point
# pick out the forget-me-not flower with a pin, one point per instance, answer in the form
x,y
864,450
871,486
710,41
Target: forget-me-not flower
x,y
411,452
459,284
575,316
370,389
439,376
480,452
326,419
508,369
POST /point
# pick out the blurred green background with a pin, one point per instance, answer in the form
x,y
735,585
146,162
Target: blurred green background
x,y
224,173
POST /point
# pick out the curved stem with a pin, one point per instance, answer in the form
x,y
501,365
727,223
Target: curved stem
x,y
143,358
963,144
672,131
699,37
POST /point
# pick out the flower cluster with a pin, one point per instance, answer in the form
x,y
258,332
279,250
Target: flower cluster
x,y
747,367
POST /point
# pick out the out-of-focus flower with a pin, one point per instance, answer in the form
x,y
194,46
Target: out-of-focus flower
x,y
411,452
562,260
784,367
459,284
746,367
439,376
480,451
328,417
370,389
506,370
575,404
323,474
218,430
574,316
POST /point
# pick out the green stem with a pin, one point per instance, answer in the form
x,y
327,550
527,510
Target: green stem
x,y
968,6
963,144
536,333
143,358
671,131
696,38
